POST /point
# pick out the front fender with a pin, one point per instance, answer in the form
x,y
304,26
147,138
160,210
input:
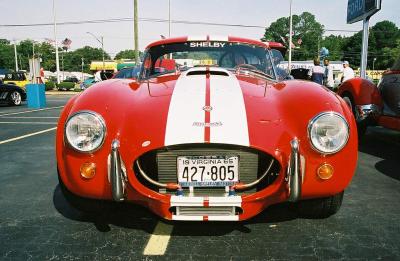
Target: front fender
x,y
362,92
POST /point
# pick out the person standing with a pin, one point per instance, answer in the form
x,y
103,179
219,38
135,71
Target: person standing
x,y
348,73
317,72
328,76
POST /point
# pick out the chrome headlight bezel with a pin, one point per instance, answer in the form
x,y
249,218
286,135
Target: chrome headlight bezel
x,y
318,117
100,120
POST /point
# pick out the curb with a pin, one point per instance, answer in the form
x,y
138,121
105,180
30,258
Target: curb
x,y
61,93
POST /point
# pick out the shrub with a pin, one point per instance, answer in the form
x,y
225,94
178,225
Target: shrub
x,y
50,85
65,85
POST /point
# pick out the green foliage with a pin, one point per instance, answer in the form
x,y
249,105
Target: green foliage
x,y
305,27
125,54
6,55
383,42
66,85
334,43
50,85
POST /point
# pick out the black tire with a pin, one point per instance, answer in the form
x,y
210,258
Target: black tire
x,y
320,207
15,98
362,125
85,205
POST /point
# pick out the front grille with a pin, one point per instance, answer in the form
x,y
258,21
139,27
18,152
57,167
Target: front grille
x,y
205,211
161,165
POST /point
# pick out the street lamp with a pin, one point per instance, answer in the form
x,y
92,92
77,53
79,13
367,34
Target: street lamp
x,y
102,45
373,64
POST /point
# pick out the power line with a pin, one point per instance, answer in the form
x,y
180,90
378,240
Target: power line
x,y
153,20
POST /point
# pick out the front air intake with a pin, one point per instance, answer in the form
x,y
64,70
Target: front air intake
x,y
204,72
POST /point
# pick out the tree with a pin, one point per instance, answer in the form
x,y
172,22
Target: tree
x,y
6,54
306,30
334,43
73,59
125,54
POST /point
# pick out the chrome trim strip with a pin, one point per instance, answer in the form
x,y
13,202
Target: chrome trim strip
x,y
366,111
116,173
152,181
294,172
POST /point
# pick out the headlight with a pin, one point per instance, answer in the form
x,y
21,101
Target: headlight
x,y
85,131
328,132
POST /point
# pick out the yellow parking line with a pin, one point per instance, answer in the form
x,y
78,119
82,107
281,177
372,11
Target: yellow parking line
x,y
27,135
21,112
158,242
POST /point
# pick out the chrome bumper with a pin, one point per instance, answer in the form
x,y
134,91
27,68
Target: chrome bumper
x,y
116,173
294,173
366,111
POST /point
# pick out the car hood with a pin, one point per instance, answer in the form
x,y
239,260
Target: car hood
x,y
209,106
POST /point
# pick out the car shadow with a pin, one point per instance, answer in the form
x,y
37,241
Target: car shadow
x,y
384,144
132,216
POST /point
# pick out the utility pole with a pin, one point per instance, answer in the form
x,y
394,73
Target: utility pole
x,y
290,38
56,43
82,63
16,56
169,18
102,48
136,33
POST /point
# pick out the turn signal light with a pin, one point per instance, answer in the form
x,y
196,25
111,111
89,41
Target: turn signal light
x,y
325,171
88,170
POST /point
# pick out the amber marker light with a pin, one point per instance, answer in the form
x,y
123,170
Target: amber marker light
x,y
325,171
88,170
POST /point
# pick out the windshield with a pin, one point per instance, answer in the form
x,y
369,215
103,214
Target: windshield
x,y
14,77
172,58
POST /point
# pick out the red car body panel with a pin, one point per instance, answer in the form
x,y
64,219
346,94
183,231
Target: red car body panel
x,y
364,92
136,114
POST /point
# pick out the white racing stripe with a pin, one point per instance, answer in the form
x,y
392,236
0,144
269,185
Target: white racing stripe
x,y
228,108
186,115
185,108
158,242
27,135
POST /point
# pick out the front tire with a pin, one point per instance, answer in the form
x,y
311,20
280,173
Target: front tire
x,y
320,207
15,98
85,205
361,124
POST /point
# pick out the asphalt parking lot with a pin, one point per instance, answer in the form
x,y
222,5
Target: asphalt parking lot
x,y
36,223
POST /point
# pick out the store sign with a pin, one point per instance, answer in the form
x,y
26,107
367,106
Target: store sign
x,y
358,10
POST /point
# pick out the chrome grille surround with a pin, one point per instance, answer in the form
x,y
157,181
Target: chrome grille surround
x,y
161,165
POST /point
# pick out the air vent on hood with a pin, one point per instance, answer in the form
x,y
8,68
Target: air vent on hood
x,y
204,72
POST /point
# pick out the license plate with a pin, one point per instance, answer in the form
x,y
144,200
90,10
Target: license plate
x,y
208,171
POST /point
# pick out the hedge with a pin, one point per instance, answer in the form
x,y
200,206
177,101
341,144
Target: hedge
x,y
50,85
66,85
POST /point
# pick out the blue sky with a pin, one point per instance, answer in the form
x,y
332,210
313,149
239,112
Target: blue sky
x,y
119,36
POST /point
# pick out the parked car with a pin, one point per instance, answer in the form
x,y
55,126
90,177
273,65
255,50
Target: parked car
x,y
16,78
374,105
222,140
72,79
11,94
127,73
87,83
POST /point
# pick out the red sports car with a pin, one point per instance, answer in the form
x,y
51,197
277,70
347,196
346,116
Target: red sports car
x,y
216,134
375,105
